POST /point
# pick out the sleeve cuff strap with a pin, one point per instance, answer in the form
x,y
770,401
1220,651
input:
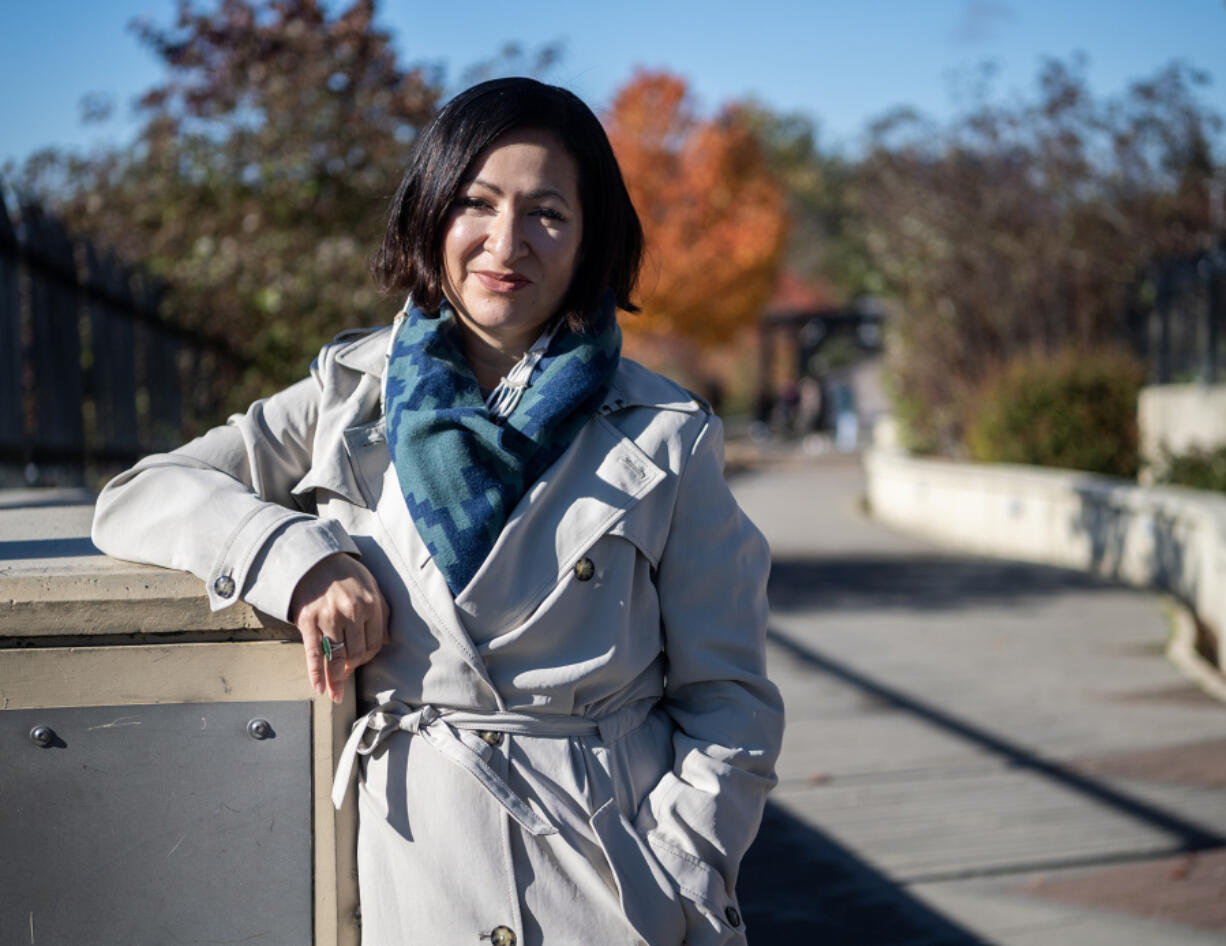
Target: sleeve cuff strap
x,y
267,555
699,883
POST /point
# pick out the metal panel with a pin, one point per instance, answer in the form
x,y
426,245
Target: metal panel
x,y
156,824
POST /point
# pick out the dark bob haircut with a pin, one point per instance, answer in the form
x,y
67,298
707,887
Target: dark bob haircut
x,y
611,249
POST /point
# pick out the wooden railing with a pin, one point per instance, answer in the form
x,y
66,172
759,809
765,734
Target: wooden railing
x,y
91,376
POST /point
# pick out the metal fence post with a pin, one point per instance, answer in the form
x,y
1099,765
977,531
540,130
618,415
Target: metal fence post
x,y
56,342
1163,305
12,407
1214,273
112,341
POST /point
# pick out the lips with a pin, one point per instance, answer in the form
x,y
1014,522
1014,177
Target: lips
x,y
501,282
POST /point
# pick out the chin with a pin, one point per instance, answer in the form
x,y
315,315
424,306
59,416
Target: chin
x,y
503,317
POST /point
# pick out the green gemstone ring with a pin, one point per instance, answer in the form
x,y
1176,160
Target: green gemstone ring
x,y
331,647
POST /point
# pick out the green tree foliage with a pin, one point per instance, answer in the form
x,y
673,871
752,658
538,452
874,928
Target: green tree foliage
x,y
824,238
1021,225
1075,410
258,187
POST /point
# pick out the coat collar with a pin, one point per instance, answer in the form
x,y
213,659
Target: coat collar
x,y
366,350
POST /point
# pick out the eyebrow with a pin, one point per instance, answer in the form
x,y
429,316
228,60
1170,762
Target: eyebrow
x,y
534,195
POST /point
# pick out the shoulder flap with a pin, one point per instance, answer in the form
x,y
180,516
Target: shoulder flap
x,y
636,386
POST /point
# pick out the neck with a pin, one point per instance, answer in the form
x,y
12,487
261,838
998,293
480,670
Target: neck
x,y
489,359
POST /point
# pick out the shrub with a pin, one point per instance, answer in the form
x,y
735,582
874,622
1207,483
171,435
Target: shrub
x,y
1075,410
1198,469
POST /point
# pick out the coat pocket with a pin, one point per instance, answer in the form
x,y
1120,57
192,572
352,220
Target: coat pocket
x,y
648,898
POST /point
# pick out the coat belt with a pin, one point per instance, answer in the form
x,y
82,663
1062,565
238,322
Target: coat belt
x,y
440,728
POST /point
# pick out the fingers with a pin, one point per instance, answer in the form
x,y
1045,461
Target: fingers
x,y
340,600
375,629
316,670
334,626
337,671
325,676
360,621
355,641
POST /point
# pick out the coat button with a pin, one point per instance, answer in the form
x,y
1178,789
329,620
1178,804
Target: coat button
x,y
585,568
501,936
733,917
224,586
491,738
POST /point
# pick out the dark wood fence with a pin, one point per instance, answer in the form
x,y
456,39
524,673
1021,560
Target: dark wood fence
x,y
91,377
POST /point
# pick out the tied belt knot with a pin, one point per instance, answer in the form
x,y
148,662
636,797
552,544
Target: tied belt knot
x,y
440,728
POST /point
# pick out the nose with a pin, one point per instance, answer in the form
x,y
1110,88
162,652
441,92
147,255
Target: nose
x,y
506,239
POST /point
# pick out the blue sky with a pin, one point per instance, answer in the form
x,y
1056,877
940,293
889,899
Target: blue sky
x,y
843,63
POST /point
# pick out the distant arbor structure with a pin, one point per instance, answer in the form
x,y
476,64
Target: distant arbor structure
x,y
810,351
91,377
1176,317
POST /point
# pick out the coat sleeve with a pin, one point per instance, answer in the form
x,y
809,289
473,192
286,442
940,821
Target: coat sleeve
x,y
703,815
222,507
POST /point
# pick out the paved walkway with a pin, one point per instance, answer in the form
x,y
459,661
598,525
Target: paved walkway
x,y
977,751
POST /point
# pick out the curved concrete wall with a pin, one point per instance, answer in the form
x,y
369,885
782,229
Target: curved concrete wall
x,y
1162,537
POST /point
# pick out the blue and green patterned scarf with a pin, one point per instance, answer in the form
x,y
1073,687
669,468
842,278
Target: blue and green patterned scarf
x,y
461,469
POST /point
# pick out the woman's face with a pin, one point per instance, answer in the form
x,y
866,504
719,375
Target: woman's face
x,y
512,239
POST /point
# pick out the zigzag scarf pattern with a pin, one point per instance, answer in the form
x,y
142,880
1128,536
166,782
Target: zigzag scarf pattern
x,y
461,471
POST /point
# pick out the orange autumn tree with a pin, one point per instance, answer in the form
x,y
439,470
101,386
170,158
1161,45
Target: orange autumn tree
x,y
713,214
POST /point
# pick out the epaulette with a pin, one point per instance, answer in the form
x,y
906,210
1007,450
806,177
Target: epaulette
x,y
702,401
351,333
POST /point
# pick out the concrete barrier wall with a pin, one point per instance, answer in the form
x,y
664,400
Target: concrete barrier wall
x,y
1179,418
1162,537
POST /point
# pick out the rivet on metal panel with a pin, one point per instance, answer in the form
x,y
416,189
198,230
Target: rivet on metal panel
x,y
260,729
42,736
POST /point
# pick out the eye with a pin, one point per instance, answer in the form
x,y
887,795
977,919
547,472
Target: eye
x,y
471,203
550,214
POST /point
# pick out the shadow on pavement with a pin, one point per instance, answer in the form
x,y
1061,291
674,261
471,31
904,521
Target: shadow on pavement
x,y
935,582
797,881
1185,835
799,886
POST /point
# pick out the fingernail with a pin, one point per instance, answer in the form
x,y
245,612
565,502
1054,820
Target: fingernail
x,y
319,688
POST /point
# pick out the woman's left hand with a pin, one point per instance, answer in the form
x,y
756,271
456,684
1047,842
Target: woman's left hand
x,y
338,599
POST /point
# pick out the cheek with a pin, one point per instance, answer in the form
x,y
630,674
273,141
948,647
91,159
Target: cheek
x,y
563,257
459,240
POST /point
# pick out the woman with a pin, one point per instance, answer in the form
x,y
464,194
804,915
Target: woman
x,y
526,543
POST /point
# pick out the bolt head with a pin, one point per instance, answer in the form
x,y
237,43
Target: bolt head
x,y
259,729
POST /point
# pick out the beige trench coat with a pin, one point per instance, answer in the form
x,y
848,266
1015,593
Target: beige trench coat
x,y
577,748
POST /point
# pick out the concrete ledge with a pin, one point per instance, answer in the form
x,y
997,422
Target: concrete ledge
x,y
55,585
1179,418
1168,538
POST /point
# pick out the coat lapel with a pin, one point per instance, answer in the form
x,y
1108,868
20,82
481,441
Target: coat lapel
x,y
368,453
580,498
366,446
